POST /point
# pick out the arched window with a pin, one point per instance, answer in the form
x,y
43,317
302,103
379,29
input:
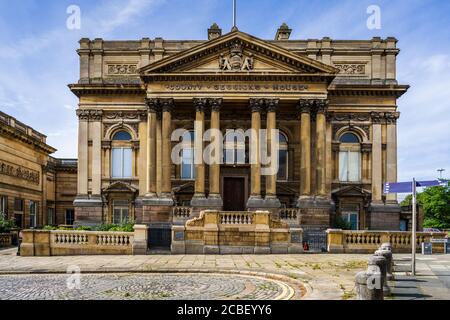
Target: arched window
x,y
350,158
187,156
122,136
121,155
283,157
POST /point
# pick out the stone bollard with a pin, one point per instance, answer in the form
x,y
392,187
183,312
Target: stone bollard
x,y
366,285
386,246
389,262
381,263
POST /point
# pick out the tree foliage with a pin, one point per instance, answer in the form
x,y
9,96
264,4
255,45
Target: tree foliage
x,y
436,206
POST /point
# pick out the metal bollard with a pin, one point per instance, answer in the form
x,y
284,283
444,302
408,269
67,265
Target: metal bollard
x,y
381,263
367,285
389,262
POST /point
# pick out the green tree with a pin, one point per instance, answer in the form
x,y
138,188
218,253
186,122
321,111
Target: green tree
x,y
436,206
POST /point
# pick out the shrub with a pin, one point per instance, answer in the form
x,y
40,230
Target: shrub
x,y
127,226
340,223
6,224
50,228
83,228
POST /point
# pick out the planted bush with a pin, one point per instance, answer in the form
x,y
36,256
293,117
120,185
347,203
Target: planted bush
x,y
6,224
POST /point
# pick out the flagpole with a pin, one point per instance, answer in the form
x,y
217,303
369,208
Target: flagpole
x,y
234,13
414,223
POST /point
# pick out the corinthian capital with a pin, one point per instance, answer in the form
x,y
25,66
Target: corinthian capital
x,y
377,117
305,105
167,104
152,104
321,106
200,104
272,104
256,104
392,117
216,104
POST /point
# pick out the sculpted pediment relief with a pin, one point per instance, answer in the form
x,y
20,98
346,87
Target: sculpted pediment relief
x,y
237,53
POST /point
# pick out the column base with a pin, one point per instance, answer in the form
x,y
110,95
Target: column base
x,y
88,210
315,212
158,202
255,202
212,202
215,201
272,202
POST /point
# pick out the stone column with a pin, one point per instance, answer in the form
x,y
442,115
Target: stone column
x,y
305,107
391,153
199,128
376,158
166,183
321,132
151,148
158,153
83,131
96,153
214,198
271,181
255,200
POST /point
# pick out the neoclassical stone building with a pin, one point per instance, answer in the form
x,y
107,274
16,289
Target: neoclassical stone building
x,y
36,189
334,102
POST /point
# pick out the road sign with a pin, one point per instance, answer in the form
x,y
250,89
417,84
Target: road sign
x,y
406,187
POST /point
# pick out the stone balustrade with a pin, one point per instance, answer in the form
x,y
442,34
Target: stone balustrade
x,y
5,239
62,243
236,218
365,241
181,214
291,216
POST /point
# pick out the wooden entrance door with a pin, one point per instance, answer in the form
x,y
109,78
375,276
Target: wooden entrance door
x,y
234,197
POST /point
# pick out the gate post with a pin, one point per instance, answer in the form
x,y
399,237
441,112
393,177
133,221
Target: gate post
x,y
140,241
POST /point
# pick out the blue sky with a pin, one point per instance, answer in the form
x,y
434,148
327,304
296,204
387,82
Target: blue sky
x,y
38,58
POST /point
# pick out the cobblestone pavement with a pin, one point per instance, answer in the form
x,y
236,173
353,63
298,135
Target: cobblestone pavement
x,y
320,276
142,287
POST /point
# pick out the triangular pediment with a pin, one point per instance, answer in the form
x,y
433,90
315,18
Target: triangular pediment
x,y
351,191
237,53
120,186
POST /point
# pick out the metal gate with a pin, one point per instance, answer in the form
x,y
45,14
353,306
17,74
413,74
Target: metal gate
x,y
159,238
315,238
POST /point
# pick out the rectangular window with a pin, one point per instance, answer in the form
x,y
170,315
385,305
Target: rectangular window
x,y
122,163
18,205
403,225
70,216
120,211
187,164
349,166
283,165
33,213
350,213
50,215
4,206
18,212
18,217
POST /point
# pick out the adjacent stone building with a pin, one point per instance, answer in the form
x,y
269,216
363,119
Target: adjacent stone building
x,y
35,188
334,102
